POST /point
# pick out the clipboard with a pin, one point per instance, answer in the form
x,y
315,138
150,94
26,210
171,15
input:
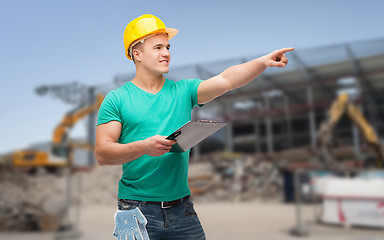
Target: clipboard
x,y
192,133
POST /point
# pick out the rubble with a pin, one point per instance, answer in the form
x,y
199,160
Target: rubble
x,y
39,201
31,202
213,177
236,177
100,185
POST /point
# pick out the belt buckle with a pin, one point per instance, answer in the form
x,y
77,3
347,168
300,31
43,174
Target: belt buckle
x,y
162,205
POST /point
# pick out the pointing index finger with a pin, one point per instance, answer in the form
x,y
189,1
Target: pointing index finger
x,y
284,50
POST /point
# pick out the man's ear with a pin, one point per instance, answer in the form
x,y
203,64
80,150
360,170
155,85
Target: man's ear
x,y
136,55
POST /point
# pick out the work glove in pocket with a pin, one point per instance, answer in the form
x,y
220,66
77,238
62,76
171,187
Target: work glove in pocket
x,y
130,225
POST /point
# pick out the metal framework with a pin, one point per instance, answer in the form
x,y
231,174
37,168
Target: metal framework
x,y
299,93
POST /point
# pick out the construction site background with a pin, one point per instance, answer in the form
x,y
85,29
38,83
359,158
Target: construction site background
x,y
264,176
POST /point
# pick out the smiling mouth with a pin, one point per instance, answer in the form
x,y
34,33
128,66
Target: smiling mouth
x,y
164,61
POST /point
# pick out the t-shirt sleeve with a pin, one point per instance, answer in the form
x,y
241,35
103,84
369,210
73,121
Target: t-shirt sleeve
x,y
193,86
109,110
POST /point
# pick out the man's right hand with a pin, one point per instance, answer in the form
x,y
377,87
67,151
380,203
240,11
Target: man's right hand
x,y
157,145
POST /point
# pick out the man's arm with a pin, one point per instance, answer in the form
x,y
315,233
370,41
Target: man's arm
x,y
109,152
239,75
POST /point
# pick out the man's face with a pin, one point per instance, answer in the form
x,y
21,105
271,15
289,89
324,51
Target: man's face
x,y
155,55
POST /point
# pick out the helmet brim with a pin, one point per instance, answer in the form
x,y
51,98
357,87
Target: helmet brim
x,y
171,32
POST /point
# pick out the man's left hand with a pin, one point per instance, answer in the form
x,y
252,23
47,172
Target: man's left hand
x,y
277,58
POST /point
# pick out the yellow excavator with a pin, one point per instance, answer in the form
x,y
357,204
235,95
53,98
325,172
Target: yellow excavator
x,y
61,150
324,135
42,202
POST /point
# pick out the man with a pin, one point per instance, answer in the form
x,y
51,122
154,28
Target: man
x,y
134,121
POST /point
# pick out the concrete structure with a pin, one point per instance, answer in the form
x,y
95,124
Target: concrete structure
x,y
282,108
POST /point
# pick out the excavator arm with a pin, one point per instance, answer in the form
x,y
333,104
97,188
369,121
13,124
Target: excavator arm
x,y
324,135
59,140
368,133
61,153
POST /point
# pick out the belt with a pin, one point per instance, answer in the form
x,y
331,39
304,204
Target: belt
x,y
162,204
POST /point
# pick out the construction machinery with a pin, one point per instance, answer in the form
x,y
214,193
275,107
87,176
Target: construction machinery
x,y
324,136
33,199
61,149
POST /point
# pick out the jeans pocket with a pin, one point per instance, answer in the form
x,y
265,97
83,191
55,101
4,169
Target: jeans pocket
x,y
189,209
126,204
188,203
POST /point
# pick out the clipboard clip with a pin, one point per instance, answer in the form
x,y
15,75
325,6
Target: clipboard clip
x,y
173,135
207,121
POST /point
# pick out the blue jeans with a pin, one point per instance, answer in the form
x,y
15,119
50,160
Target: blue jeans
x,y
178,222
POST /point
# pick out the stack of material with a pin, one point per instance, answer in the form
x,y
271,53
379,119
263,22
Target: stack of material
x,y
296,154
100,185
31,202
201,178
234,177
39,201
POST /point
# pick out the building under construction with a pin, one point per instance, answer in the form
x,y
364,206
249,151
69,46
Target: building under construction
x,y
283,108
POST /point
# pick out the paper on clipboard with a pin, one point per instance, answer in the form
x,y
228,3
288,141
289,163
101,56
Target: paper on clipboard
x,y
192,133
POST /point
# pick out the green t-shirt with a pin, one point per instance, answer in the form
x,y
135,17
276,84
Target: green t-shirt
x,y
143,115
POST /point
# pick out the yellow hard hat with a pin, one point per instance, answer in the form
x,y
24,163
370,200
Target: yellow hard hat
x,y
142,27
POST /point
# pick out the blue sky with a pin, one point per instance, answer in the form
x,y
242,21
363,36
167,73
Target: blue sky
x,y
54,42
